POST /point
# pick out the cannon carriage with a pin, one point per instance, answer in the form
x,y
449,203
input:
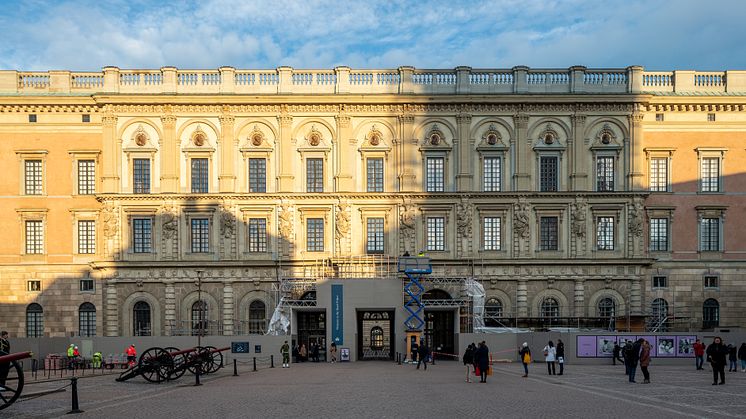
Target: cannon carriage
x,y
13,385
167,364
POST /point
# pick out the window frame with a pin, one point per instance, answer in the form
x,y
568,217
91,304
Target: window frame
x,y
379,185
498,187
379,242
139,187
255,246
606,182
27,156
141,249
317,245
200,243
708,280
496,243
440,236
259,182
199,184
657,237
37,330
433,184
706,153
662,279
86,245
315,185
89,321
603,241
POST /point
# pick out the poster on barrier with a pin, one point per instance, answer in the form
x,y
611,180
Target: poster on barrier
x,y
586,346
605,347
344,354
685,346
666,346
653,344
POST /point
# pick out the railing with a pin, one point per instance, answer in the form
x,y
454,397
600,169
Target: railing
x,y
343,80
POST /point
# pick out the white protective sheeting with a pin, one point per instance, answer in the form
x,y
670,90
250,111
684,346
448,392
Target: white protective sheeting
x,y
279,324
475,290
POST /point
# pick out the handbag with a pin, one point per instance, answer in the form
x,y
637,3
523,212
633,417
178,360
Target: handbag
x,y
477,372
526,358
489,370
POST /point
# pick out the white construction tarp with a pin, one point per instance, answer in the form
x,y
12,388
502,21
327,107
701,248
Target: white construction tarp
x,y
475,290
279,324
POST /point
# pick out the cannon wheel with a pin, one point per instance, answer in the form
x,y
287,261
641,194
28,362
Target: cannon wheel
x,y
154,364
194,358
215,359
13,385
175,372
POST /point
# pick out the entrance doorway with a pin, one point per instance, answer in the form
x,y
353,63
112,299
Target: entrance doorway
x,y
312,330
375,334
439,332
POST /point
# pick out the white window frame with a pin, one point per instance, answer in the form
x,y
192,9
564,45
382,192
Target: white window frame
x,y
263,212
711,212
27,155
711,153
82,155
32,214
659,153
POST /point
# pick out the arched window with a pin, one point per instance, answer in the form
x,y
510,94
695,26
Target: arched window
x,y
376,338
87,320
493,310
606,308
141,319
34,321
199,318
660,314
550,308
710,313
257,317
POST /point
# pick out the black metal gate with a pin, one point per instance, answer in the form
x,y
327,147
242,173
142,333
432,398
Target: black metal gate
x,y
440,331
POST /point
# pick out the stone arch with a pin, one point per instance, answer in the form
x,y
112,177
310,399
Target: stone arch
x,y
557,124
125,132
448,129
184,132
564,305
322,126
619,303
483,125
248,298
597,125
214,310
270,131
155,315
504,299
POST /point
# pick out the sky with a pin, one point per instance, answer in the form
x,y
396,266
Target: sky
x,y
83,35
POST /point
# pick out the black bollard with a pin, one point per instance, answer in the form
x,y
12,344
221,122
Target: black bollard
x,y
76,408
271,361
399,358
196,376
254,364
235,368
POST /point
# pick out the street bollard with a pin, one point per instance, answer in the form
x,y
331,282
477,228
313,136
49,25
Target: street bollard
x,y
271,361
235,368
254,364
76,409
398,358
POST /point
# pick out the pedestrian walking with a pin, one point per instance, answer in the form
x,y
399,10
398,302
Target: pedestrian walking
x,y
131,355
732,358
423,352
561,356
525,354
742,356
615,356
716,356
415,349
315,351
645,360
333,353
285,351
483,361
469,361
699,354
303,353
550,356
4,350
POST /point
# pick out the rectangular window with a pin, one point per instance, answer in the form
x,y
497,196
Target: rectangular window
x,y
605,233
32,117
491,233
141,235
257,235
548,166
86,285
315,234
85,117
86,236
712,281
435,174
34,237
375,174
436,227
711,117
709,235
141,175
200,235
257,175
604,173
33,285
315,175
658,174
710,174
33,177
374,234
86,177
491,169
200,176
659,117
659,234
660,282
549,233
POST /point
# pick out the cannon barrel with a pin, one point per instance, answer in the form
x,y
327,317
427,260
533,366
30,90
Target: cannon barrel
x,y
182,352
15,357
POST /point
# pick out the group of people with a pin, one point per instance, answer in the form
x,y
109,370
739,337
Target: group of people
x,y
718,355
553,354
420,353
301,354
478,358
634,353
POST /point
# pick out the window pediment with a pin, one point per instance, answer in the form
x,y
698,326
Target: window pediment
x,y
606,139
374,141
256,141
492,140
435,140
549,140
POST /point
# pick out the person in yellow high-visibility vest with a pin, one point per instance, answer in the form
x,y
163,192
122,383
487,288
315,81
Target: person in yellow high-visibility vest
x,y
70,356
97,360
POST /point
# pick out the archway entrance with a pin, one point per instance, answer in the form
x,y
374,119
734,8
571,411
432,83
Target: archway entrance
x,y
440,325
375,334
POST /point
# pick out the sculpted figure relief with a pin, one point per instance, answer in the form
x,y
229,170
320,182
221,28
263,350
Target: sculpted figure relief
x,y
286,221
521,218
170,227
407,220
227,222
342,220
463,219
635,219
578,218
111,220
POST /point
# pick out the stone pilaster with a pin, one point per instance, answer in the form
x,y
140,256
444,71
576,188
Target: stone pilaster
x,y
170,309
633,148
112,309
464,179
635,297
407,176
579,298
228,152
344,153
576,155
521,302
170,154
286,153
520,145
111,154
228,301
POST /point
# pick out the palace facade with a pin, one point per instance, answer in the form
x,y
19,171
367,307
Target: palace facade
x,y
160,202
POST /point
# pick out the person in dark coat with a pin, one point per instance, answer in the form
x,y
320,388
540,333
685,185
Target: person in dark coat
x,y
316,348
4,350
561,355
469,361
645,360
631,358
617,352
482,356
742,356
716,355
422,353
732,358
415,349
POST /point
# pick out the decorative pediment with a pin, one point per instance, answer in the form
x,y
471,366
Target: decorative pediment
x,y
198,141
492,140
549,139
374,141
140,137
435,139
606,139
314,140
140,140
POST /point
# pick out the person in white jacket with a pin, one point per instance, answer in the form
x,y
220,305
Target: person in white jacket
x,y
550,355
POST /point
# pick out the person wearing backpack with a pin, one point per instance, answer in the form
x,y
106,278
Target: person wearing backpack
x,y
561,356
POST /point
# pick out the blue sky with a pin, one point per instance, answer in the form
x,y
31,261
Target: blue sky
x,y
259,34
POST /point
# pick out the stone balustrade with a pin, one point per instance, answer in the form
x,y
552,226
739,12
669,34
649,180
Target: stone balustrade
x,y
404,80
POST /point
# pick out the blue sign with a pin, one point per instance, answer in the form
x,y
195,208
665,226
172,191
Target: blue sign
x,y
337,314
240,347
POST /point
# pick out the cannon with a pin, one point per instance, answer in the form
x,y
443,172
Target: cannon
x,y
167,364
14,382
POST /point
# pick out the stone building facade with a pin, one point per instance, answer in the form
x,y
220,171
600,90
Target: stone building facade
x,y
576,197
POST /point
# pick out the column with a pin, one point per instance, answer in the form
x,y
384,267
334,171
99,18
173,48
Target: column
x,y
170,153
286,153
520,150
344,154
521,302
228,308
407,174
575,153
170,308
111,305
635,297
228,152
111,156
634,151
579,298
465,177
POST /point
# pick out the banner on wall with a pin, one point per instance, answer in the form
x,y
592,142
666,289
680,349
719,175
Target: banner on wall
x,y
602,346
337,314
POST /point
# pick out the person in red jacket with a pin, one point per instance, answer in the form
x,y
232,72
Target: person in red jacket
x,y
131,355
699,354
